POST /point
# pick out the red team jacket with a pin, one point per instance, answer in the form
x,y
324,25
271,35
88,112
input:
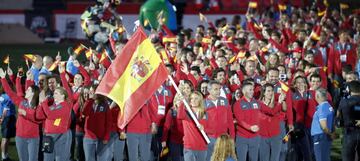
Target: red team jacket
x,y
80,118
311,107
242,110
270,120
341,54
160,100
98,120
141,123
56,116
26,126
220,115
173,128
115,111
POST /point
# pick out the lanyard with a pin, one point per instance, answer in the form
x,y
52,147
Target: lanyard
x,y
324,54
340,48
157,98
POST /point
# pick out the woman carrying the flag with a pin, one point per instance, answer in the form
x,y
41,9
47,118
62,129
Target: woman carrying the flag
x,y
195,146
173,126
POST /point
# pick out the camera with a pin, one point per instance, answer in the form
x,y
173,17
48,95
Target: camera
x,y
21,71
283,77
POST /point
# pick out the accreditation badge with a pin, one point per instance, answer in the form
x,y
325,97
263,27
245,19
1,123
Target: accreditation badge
x,y
343,58
161,110
255,105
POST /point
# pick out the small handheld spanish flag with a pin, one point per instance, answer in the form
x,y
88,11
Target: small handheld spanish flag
x,y
103,56
336,84
164,56
253,4
167,39
324,68
121,29
241,54
88,53
256,25
264,49
315,36
206,40
54,65
164,152
286,137
284,87
30,57
282,7
7,60
344,6
80,48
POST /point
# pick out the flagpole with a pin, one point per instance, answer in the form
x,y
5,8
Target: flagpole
x,y
8,61
27,63
107,55
190,111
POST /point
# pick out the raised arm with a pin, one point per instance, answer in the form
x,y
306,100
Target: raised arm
x,y
11,75
19,89
29,79
85,74
65,83
13,96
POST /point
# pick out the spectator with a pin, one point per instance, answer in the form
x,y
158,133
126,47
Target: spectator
x,y
349,113
322,126
224,149
8,118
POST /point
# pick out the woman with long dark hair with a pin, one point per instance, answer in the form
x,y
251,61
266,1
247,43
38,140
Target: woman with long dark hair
x,y
270,136
78,109
300,141
27,128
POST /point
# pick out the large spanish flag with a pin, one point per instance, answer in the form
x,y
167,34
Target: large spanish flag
x,y
133,77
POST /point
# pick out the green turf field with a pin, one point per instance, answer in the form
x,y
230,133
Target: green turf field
x,y
16,59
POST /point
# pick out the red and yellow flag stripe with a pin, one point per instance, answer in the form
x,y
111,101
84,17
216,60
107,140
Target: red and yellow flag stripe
x,y
30,57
